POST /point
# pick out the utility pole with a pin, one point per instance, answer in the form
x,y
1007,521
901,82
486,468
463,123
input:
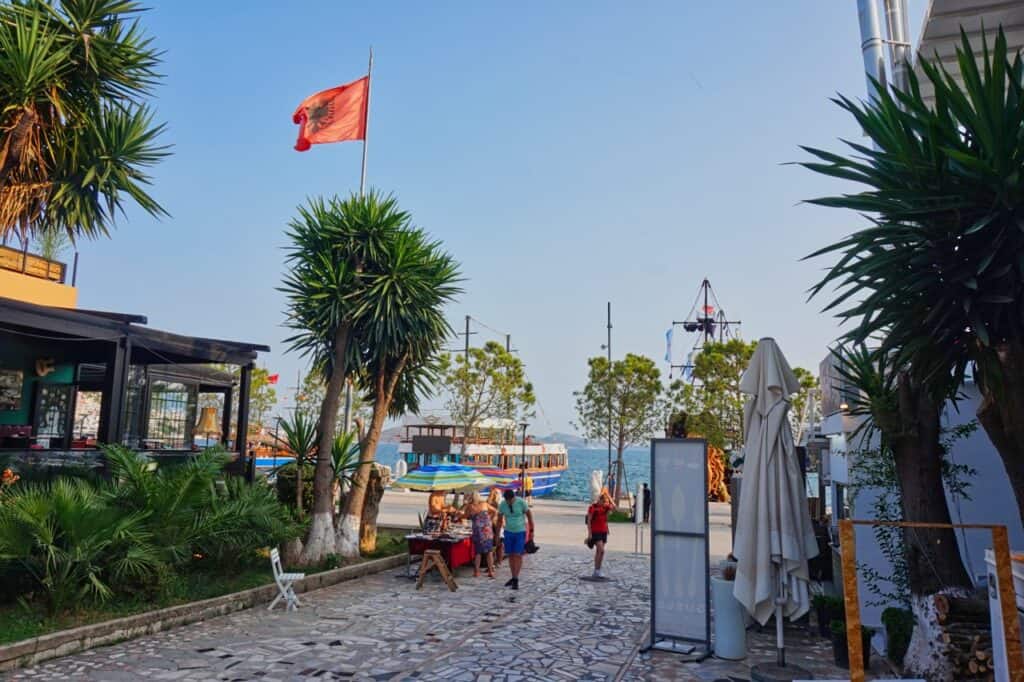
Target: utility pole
x,y
610,388
508,343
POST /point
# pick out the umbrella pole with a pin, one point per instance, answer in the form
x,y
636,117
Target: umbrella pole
x,y
780,645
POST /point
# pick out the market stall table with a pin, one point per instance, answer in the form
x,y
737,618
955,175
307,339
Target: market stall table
x,y
456,550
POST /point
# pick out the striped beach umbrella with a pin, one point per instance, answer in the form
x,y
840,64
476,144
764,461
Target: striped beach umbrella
x,y
444,477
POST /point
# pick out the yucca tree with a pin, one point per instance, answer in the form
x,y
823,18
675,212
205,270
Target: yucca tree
x,y
301,435
402,330
363,285
75,136
939,272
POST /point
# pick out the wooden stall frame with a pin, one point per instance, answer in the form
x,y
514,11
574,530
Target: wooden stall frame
x,y
1004,573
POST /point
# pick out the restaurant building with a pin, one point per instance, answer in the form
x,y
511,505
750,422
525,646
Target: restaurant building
x,y
72,379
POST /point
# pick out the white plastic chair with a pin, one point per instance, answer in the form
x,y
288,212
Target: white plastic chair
x,y
285,583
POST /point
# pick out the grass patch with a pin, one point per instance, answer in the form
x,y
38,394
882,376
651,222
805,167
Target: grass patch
x,y
27,619
618,516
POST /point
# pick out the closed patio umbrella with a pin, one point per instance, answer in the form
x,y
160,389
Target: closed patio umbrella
x,y
433,477
774,538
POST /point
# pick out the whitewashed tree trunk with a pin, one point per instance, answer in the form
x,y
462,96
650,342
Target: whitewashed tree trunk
x,y
321,540
348,536
927,655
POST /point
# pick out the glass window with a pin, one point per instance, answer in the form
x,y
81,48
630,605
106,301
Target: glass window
x,y
52,409
172,414
87,418
134,425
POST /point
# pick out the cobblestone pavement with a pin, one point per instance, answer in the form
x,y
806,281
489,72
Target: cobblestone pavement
x,y
556,627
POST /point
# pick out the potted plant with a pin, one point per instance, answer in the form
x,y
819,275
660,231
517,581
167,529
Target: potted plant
x,y
827,608
840,650
730,627
899,626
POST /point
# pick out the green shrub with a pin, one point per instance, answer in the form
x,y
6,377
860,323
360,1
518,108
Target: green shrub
x,y
73,543
192,511
899,626
76,540
285,484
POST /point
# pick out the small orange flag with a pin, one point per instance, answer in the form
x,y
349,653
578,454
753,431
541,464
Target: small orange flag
x,y
334,115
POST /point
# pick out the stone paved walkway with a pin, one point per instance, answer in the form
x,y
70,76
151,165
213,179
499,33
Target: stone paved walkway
x,y
556,627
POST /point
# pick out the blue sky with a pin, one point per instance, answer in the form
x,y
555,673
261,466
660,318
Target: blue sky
x,y
566,153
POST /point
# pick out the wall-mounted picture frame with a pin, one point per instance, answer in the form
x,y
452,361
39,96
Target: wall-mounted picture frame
x,y
11,384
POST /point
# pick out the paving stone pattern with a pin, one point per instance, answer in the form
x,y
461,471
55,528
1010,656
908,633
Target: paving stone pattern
x,y
556,627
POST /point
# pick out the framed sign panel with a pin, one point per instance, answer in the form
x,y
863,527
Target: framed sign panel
x,y
680,562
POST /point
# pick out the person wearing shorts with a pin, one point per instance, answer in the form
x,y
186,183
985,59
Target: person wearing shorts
x,y
597,528
515,517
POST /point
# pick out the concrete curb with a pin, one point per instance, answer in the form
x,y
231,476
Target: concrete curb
x,y
55,644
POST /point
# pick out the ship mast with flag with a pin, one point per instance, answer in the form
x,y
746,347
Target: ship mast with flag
x,y
706,319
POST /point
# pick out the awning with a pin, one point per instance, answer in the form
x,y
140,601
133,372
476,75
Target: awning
x,y
159,347
940,32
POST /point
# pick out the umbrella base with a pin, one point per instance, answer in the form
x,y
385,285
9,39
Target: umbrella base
x,y
773,672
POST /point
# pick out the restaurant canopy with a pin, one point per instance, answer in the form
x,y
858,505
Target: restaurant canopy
x,y
103,347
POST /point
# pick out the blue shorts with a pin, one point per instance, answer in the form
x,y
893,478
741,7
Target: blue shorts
x,y
515,543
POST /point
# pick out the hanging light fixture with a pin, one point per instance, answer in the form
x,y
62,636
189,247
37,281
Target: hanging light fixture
x,y
207,425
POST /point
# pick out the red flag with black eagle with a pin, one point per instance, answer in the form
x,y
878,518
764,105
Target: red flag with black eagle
x,y
334,115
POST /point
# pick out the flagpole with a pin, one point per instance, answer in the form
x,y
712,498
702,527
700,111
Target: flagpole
x,y
362,192
366,124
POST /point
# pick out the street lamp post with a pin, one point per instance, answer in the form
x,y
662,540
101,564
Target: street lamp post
x,y
522,467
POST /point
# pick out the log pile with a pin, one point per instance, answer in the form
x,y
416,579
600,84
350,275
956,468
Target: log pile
x,y
967,634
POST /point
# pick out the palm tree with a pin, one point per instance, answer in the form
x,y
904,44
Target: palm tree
x,y
938,272
74,136
362,285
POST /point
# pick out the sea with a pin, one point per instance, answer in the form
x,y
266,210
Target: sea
x,y
575,482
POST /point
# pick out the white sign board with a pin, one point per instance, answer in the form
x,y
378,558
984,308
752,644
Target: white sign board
x,y
680,570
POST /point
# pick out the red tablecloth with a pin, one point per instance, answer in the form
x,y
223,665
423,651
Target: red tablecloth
x,y
455,552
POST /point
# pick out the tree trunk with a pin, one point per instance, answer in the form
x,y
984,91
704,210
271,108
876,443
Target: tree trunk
x,y
383,393
933,557
1001,414
15,146
620,467
321,539
298,488
371,506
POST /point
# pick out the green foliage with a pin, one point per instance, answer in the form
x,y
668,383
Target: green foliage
x,y
619,517
345,457
75,137
300,433
899,627
191,509
491,384
284,483
632,387
74,542
713,402
874,469
938,271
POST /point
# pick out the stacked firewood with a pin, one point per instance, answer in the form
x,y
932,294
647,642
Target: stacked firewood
x,y
967,633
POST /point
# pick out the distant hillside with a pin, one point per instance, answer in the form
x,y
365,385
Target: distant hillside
x,y
569,440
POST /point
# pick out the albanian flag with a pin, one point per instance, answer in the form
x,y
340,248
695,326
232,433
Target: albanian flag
x,y
334,115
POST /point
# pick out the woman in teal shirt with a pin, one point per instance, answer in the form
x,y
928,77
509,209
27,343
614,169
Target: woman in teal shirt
x,y
515,516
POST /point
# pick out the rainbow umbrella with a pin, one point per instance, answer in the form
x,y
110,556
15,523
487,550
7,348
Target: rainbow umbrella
x,y
444,477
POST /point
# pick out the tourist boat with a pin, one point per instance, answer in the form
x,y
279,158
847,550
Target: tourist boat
x,y
492,450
